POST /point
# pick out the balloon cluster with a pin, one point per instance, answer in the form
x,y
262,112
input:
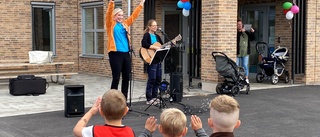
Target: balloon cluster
x,y
290,9
185,5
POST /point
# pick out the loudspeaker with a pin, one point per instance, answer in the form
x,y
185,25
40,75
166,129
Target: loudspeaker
x,y
73,100
176,87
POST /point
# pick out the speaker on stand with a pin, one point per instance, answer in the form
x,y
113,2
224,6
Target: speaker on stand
x,y
74,100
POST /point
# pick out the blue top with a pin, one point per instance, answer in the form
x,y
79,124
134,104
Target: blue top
x,y
120,38
153,38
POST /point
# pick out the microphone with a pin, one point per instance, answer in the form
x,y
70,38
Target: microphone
x,y
161,31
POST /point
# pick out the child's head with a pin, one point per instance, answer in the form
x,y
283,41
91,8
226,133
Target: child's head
x,y
173,122
113,105
224,114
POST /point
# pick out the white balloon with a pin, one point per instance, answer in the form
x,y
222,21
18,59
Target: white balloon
x,y
289,15
185,12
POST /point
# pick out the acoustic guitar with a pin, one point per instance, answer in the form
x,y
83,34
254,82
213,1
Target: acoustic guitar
x,y
147,54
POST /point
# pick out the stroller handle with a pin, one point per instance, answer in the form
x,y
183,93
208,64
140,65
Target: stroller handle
x,y
215,53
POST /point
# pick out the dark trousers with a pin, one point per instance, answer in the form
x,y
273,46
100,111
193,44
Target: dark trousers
x,y
154,80
120,62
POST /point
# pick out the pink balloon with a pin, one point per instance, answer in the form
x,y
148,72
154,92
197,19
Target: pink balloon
x,y
295,9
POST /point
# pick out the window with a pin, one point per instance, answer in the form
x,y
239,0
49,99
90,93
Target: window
x,y
43,26
92,29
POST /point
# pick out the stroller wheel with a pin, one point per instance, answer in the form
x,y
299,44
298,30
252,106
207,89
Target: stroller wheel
x,y
218,88
248,88
274,79
199,85
286,73
259,77
235,90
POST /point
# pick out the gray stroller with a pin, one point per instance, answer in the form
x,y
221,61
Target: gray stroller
x,y
234,75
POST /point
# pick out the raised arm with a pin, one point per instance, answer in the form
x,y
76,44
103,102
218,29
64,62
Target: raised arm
x,y
82,123
109,18
135,14
150,126
196,125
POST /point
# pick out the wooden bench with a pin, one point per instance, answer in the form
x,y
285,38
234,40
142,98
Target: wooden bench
x,y
13,68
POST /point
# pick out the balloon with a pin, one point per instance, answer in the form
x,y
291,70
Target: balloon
x,y
180,4
285,11
287,5
187,5
295,9
185,12
184,0
289,15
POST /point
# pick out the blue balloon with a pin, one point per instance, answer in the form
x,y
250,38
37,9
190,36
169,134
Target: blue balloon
x,y
187,5
180,4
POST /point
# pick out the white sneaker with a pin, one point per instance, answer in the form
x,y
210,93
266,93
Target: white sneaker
x,y
156,100
247,80
151,102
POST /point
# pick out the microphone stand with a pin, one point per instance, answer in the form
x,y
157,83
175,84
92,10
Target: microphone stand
x,y
166,37
130,85
171,73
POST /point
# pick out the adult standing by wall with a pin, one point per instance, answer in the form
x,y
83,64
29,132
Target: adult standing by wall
x,y
243,46
119,44
154,70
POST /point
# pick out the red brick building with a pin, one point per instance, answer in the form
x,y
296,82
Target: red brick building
x,y
74,31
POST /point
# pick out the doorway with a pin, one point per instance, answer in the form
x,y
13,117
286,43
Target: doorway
x,y
262,19
172,24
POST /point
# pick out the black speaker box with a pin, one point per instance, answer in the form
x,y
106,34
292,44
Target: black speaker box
x,y
73,100
171,62
176,87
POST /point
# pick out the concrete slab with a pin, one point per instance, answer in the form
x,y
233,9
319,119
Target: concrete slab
x,y
95,86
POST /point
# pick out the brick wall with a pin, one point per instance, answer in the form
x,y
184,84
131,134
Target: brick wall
x,y
283,29
312,43
218,34
16,28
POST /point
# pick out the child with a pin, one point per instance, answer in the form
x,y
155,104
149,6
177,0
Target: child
x,y
113,108
173,123
224,116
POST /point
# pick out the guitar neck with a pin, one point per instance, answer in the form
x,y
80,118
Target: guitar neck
x,y
166,44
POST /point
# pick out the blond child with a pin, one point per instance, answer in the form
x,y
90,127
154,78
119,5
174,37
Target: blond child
x,y
112,107
173,123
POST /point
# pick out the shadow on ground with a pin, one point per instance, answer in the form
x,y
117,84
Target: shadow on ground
x,y
285,112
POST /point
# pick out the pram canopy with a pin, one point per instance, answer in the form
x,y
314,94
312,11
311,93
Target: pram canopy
x,y
225,66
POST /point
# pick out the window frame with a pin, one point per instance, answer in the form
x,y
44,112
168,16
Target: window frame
x,y
53,20
85,6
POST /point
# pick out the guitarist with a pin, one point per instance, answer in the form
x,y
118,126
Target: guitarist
x,y
154,70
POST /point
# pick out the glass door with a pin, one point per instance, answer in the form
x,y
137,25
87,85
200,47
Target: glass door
x,y
262,20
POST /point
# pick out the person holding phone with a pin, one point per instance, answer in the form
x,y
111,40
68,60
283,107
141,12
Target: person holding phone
x,y
243,47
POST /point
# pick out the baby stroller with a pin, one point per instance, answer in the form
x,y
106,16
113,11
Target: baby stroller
x,y
273,65
234,76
